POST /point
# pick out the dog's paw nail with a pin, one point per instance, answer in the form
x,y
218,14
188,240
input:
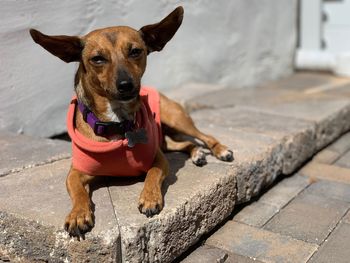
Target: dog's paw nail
x,y
149,212
78,222
200,162
149,208
227,156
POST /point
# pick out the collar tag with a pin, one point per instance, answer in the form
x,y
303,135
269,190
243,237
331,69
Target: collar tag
x,y
135,137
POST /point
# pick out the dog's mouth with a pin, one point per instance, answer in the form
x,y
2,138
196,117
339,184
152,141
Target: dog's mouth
x,y
127,97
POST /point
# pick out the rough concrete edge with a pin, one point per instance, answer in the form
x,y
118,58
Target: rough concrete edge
x,y
50,160
332,127
191,219
298,148
24,240
263,171
285,158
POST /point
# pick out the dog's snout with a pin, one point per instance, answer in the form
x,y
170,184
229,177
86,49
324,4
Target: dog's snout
x,y
125,86
124,81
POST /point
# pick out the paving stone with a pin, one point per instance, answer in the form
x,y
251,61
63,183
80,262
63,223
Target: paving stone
x,y
256,214
33,206
326,156
332,88
329,189
273,98
268,92
207,254
235,258
285,191
331,114
246,146
290,97
322,171
230,97
339,91
297,136
257,243
250,120
308,217
344,161
336,123
306,81
258,159
20,151
188,91
196,199
346,218
335,248
341,145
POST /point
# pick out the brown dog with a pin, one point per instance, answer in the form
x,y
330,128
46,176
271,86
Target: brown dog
x,y
111,63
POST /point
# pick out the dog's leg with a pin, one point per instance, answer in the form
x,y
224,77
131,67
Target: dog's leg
x,y
174,116
80,219
151,198
196,153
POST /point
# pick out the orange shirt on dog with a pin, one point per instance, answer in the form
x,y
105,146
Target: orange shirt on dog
x,y
115,158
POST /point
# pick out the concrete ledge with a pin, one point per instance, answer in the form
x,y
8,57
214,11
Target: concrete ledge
x,y
196,199
272,130
33,205
30,241
19,152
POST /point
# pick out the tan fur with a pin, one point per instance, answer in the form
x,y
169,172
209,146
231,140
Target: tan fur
x,y
96,85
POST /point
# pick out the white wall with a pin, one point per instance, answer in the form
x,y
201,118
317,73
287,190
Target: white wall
x,y
232,42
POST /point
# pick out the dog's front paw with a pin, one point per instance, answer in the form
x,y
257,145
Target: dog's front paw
x,y
198,157
226,155
150,202
79,221
223,153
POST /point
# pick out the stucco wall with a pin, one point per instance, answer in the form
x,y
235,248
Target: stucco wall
x,y
232,42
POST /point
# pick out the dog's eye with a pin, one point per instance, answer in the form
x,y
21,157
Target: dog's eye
x,y
135,52
98,60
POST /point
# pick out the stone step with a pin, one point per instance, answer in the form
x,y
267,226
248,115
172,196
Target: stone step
x,y
20,152
299,219
272,130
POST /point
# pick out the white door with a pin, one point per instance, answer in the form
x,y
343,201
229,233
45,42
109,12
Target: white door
x,y
324,36
336,26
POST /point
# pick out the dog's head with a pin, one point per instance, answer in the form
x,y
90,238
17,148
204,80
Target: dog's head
x,y
112,60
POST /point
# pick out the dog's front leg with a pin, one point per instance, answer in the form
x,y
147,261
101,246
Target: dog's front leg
x,y
151,198
80,219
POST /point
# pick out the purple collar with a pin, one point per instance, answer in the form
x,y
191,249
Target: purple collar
x,y
101,128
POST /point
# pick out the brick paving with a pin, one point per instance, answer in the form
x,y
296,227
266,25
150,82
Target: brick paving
x,y
303,218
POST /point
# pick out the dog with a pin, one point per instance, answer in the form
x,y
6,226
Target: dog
x,y
113,112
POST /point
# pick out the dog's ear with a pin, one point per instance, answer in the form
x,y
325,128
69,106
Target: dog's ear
x,y
67,48
157,35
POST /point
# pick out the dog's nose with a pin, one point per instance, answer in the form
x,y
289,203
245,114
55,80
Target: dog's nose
x,y
125,86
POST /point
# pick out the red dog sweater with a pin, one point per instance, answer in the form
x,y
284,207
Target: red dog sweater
x,y
115,158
